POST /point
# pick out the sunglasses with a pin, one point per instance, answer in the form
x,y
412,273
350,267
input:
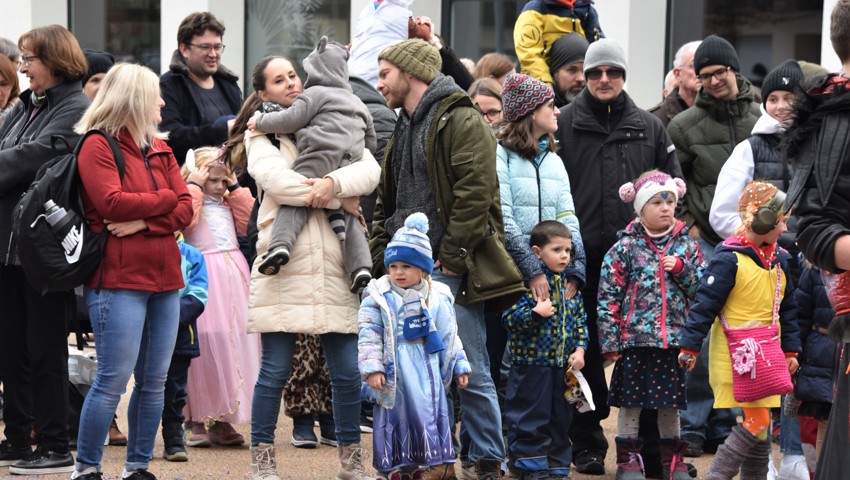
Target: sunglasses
x,y
596,74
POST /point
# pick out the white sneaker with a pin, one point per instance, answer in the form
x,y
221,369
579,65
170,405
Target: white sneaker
x,y
771,470
795,470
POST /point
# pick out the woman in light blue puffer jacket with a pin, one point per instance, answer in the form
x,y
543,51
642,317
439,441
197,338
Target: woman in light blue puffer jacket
x,y
533,183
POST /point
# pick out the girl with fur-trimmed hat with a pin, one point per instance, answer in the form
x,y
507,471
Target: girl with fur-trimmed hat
x,y
408,354
648,280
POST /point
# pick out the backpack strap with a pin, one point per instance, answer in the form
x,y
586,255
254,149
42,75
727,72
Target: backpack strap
x,y
116,150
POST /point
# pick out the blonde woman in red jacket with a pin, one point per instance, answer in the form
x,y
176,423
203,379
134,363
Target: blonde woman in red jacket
x,y
133,296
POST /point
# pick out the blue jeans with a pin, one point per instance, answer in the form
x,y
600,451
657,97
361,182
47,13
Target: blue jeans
x,y
134,333
479,403
276,365
789,435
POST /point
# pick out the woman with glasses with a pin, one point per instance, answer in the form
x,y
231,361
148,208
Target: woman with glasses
x,y
33,328
487,94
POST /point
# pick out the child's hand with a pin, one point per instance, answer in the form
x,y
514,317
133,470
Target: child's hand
x,y
576,360
462,381
570,290
539,287
686,360
231,179
252,122
544,308
199,175
793,364
669,263
377,380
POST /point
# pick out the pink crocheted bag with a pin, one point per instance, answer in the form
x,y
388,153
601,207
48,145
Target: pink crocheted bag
x,y
758,363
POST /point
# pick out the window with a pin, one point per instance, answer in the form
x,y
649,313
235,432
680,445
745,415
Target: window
x,y
291,28
764,32
477,27
128,29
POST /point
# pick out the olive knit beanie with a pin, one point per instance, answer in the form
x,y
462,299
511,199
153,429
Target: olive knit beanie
x,y
416,57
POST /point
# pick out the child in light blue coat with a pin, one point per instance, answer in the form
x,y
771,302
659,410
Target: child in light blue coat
x,y
409,351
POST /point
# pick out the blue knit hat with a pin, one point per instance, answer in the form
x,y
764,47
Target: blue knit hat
x,y
411,244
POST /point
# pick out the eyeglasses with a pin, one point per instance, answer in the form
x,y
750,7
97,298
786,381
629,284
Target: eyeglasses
x,y
492,114
26,59
717,74
595,74
206,47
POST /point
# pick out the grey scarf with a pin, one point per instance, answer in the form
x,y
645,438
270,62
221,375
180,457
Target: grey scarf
x,y
414,190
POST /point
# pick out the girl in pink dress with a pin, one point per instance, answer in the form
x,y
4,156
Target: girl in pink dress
x,y
221,380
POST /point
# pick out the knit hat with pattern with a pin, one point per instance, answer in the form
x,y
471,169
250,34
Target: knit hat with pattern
x,y
411,245
716,50
416,57
784,77
522,94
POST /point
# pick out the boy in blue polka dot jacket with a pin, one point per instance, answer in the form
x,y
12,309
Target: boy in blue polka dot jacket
x,y
647,282
545,336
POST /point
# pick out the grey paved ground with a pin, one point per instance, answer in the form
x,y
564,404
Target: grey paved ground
x,y
293,463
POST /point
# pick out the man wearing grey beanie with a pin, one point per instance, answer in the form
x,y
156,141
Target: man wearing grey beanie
x,y
606,141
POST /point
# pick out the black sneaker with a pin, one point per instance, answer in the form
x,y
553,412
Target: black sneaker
x,y
91,476
141,475
303,436
590,462
359,280
176,453
695,444
44,461
274,260
10,455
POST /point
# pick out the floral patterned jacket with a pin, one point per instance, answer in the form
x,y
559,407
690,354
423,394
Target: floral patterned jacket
x,y
641,305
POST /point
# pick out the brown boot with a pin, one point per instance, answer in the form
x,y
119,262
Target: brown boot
x,y
489,469
115,435
445,471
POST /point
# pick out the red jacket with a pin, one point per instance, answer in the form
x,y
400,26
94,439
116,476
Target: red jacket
x,y
148,260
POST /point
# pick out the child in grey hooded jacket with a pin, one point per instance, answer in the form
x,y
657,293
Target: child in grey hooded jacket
x,y
331,126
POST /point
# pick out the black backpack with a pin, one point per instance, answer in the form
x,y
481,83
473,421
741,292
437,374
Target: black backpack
x,y
58,252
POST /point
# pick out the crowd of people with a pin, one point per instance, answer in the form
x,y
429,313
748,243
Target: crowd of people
x,y
434,252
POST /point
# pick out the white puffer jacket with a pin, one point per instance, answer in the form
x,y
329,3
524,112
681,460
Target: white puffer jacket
x,y
311,292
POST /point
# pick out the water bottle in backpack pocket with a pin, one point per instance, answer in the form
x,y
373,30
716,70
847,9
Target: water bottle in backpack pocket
x,y
55,247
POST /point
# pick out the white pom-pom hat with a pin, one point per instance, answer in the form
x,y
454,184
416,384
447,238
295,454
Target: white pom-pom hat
x,y
649,186
411,244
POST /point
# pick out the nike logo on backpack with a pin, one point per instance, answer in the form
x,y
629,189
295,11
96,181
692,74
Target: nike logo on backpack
x,y
73,244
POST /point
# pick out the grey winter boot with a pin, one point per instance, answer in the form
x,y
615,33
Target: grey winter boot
x,y
351,463
629,461
755,466
672,459
263,464
729,457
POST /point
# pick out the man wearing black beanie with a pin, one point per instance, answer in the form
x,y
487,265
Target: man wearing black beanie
x,y
566,64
